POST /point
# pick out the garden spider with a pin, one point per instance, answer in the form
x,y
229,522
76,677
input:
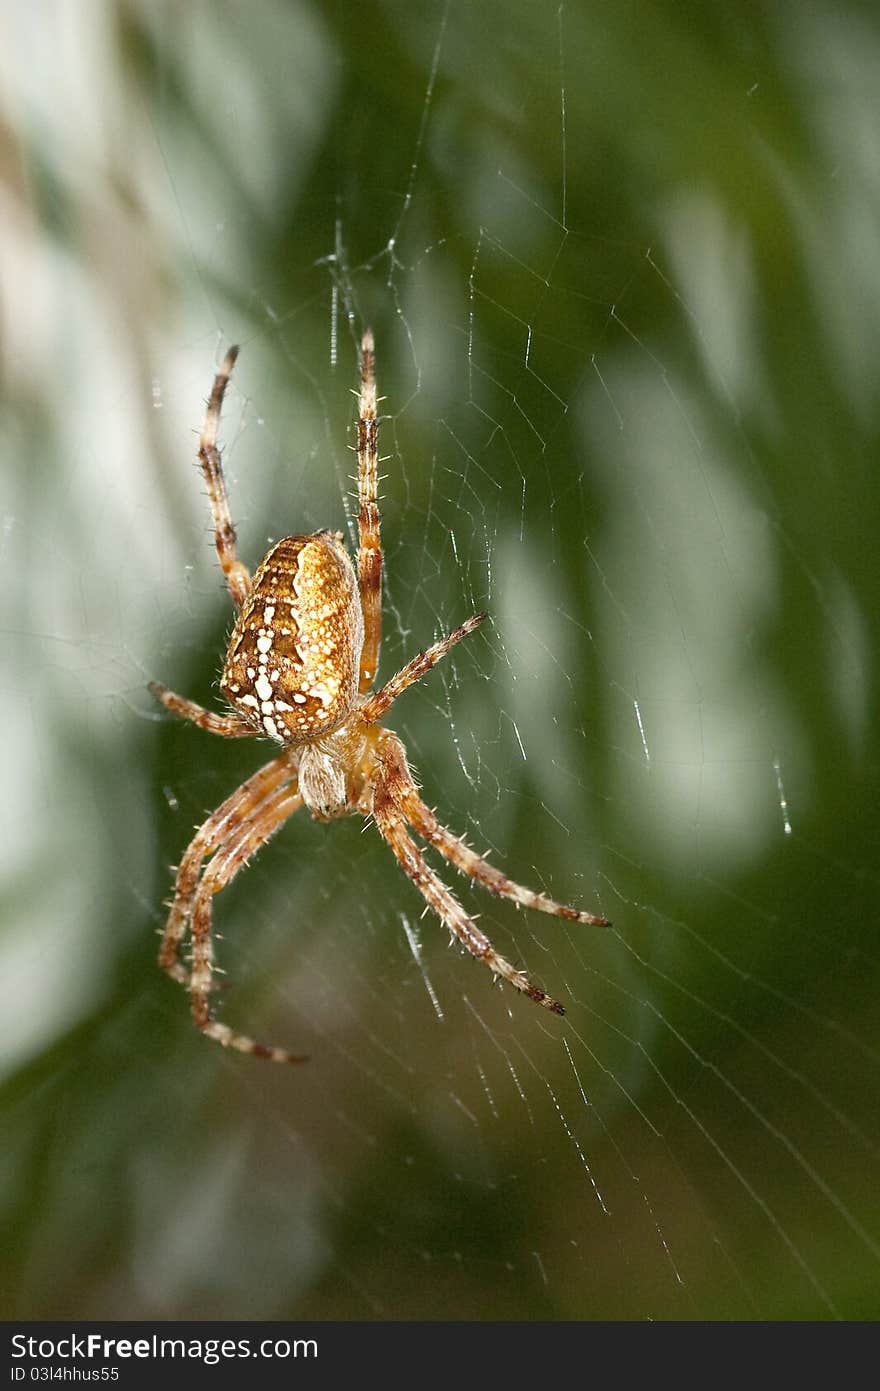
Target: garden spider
x,y
300,667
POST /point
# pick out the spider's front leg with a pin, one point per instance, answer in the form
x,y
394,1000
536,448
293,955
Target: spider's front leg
x,y
269,816
220,828
454,849
390,779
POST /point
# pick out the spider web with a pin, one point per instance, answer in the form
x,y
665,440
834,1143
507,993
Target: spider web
x,y
600,426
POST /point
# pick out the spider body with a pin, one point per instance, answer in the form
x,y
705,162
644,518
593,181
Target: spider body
x,y
299,670
292,667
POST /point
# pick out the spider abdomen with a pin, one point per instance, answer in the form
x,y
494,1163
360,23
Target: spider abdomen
x,y
292,665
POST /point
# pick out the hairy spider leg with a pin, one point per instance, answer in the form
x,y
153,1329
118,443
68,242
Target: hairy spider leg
x,y
454,849
376,706
370,546
254,832
228,726
237,574
392,827
213,835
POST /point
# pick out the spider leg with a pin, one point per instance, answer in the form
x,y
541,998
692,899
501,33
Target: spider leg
x,y
392,827
454,849
376,706
229,726
219,829
370,546
228,860
237,575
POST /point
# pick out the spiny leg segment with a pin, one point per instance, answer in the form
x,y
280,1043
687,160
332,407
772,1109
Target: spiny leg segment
x,y
454,849
392,827
370,546
269,816
237,574
376,706
229,726
396,803
219,829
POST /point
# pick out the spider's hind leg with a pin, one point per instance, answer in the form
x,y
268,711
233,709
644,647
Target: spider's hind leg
x,y
369,542
236,573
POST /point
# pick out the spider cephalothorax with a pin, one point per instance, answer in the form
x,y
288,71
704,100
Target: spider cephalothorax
x,y
299,669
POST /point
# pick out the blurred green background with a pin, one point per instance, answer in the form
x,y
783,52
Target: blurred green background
x,y
621,260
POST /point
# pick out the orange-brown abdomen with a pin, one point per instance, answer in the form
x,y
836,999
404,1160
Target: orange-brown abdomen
x,y
292,665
